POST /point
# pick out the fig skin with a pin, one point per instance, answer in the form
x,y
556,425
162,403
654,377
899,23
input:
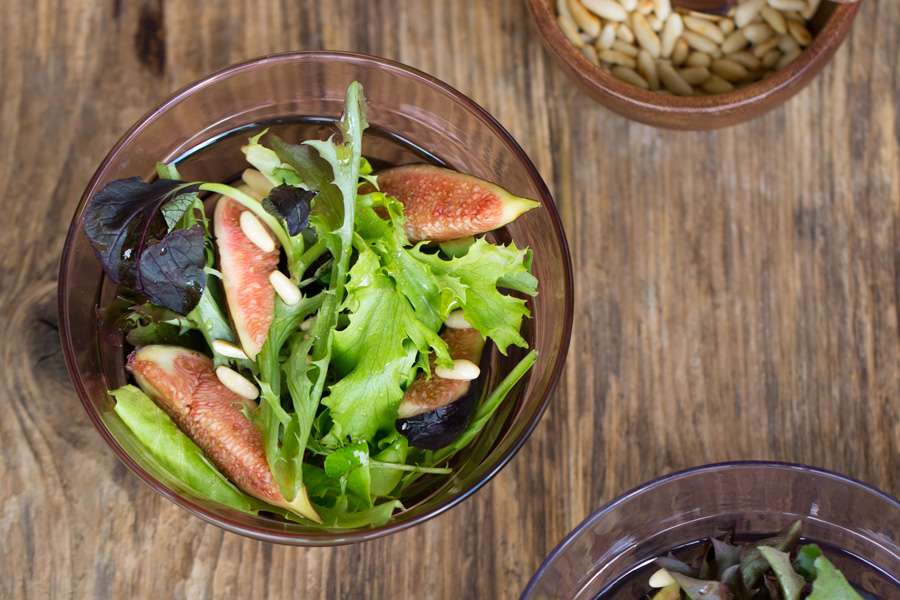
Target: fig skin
x,y
442,205
434,411
245,276
184,384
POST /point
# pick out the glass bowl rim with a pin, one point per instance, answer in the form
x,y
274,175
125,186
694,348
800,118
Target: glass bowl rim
x,y
654,483
339,537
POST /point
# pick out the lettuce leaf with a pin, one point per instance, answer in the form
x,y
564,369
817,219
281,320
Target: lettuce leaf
x,y
830,583
374,353
482,270
177,455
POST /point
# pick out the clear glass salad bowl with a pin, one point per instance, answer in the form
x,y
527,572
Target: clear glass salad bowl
x,y
414,116
609,555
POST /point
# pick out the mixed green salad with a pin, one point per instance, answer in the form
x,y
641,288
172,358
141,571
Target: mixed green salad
x,y
308,342
777,568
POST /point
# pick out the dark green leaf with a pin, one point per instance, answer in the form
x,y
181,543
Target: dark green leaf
x,y
753,565
805,561
791,583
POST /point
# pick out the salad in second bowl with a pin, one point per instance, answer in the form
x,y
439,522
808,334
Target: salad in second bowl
x,y
309,342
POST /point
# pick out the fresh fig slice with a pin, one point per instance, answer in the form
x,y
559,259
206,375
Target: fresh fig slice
x,y
245,276
442,205
434,411
183,383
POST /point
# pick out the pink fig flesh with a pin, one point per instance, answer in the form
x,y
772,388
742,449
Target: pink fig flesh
x,y
245,272
442,205
184,384
427,394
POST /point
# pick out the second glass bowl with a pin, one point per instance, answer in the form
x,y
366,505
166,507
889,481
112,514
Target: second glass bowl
x,y
610,554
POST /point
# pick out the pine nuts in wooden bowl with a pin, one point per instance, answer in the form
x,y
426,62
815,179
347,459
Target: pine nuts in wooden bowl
x,y
687,70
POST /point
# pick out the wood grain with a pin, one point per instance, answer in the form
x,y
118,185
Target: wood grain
x,y
738,292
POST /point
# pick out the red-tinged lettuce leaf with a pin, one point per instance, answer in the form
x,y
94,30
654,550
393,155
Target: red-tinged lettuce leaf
x,y
126,227
291,205
171,272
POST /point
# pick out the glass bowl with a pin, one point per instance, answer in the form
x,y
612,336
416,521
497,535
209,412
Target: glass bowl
x,y
609,554
413,116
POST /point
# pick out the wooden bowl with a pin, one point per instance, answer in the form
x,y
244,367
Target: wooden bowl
x,y
830,26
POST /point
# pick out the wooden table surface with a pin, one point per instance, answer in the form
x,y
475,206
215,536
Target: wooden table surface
x,y
738,292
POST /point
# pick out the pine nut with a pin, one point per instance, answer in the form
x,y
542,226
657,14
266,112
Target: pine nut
x,y
735,42
761,50
705,28
627,49
680,53
648,40
729,70
570,30
746,12
584,19
674,82
662,8
630,76
457,320
237,383
810,11
788,58
716,85
670,34
787,44
700,42
463,370
647,69
308,324
798,5
257,182
746,59
228,349
800,33
694,75
698,59
648,44
607,36
608,9
624,33
285,288
774,18
660,579
771,58
256,232
617,58
757,33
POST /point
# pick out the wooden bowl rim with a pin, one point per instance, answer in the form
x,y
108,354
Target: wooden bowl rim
x,y
596,79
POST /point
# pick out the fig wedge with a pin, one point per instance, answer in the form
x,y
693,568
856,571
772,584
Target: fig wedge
x,y
442,205
183,383
434,411
245,276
